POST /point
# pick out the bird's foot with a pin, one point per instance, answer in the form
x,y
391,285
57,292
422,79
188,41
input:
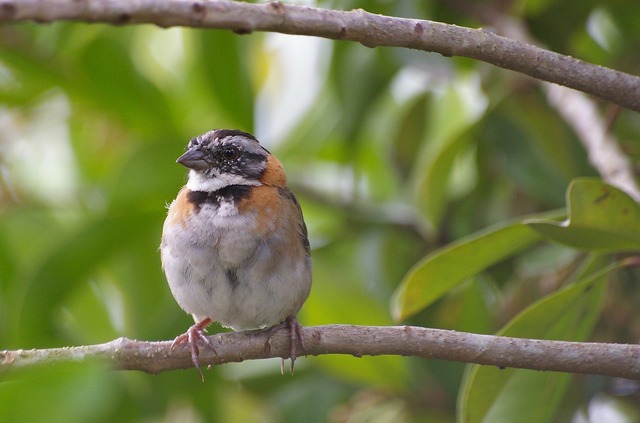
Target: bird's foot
x,y
194,334
295,336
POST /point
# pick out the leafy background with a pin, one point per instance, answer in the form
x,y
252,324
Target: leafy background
x,y
415,172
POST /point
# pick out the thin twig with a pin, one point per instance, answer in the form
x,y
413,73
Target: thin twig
x,y
366,28
619,360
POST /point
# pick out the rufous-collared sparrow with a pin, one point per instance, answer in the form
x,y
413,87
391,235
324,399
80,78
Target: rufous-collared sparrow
x,y
234,245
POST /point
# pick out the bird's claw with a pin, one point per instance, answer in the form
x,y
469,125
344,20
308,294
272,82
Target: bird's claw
x,y
295,336
194,334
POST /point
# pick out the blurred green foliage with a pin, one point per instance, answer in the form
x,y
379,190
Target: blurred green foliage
x,y
410,167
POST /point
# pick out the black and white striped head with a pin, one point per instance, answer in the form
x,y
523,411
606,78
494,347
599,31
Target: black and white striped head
x,y
224,157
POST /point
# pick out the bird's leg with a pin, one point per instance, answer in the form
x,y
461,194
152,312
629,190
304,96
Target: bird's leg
x,y
192,335
295,335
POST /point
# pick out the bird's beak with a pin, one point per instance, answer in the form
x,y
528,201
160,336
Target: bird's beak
x,y
194,159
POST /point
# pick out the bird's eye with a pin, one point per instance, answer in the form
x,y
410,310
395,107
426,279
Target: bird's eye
x,y
230,153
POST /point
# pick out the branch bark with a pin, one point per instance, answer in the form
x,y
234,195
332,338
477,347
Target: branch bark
x,y
358,25
617,360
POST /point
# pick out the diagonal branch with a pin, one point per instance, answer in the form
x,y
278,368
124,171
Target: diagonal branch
x,y
619,360
581,114
358,25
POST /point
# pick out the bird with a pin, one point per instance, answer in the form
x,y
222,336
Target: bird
x,y
235,248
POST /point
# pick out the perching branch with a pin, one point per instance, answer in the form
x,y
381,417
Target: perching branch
x,y
618,360
369,29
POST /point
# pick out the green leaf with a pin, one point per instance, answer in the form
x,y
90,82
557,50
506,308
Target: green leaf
x,y
229,84
70,264
601,219
412,119
354,302
490,394
448,267
435,188
460,107
72,392
360,83
32,75
117,87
